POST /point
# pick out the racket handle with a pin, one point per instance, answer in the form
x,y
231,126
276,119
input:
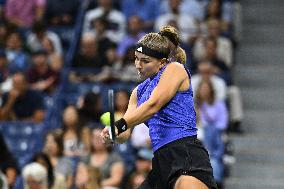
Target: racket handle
x,y
110,133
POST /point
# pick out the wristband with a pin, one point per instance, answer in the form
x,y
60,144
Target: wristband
x,y
121,125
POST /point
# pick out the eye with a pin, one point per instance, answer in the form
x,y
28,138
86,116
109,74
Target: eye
x,y
145,61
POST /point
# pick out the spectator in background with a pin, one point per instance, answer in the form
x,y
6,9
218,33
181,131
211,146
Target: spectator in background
x,y
8,164
213,117
142,9
17,57
55,180
21,102
55,60
109,162
127,67
205,71
116,21
220,68
134,33
105,46
112,56
144,160
220,10
104,43
38,33
25,12
90,107
186,24
143,165
54,148
213,9
194,8
76,138
87,57
224,45
41,76
35,176
230,93
121,103
108,74
87,177
61,13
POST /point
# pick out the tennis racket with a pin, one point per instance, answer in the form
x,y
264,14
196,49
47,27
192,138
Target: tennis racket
x,y
111,111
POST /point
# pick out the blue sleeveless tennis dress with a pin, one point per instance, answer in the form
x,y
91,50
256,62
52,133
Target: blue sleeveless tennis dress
x,y
175,120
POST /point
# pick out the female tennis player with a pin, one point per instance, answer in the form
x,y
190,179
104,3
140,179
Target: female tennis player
x,y
164,102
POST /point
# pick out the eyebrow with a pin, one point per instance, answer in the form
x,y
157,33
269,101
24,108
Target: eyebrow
x,y
148,59
144,58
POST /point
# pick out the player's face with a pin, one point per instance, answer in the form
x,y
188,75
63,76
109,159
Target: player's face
x,y
147,66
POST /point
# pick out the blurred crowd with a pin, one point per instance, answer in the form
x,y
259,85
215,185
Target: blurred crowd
x,y
59,58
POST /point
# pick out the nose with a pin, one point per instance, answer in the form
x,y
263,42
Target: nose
x,y
138,64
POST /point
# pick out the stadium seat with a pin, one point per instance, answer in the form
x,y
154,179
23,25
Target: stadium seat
x,y
24,139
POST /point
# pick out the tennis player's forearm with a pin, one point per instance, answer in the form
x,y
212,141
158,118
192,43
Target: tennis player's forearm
x,y
123,137
141,114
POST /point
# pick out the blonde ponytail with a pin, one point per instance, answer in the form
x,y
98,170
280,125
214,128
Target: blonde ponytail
x,y
177,53
180,55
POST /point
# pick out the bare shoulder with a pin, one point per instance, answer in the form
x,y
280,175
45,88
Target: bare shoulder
x,y
176,68
175,65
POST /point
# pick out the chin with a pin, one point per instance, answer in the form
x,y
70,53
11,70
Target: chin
x,y
142,78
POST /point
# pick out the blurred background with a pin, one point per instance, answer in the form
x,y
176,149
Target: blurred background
x,y
58,59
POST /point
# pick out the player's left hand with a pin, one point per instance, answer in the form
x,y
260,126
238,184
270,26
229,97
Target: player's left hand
x,y
105,135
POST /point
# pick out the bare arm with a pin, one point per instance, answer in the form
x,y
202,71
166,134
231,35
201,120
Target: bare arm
x,y
116,175
170,82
